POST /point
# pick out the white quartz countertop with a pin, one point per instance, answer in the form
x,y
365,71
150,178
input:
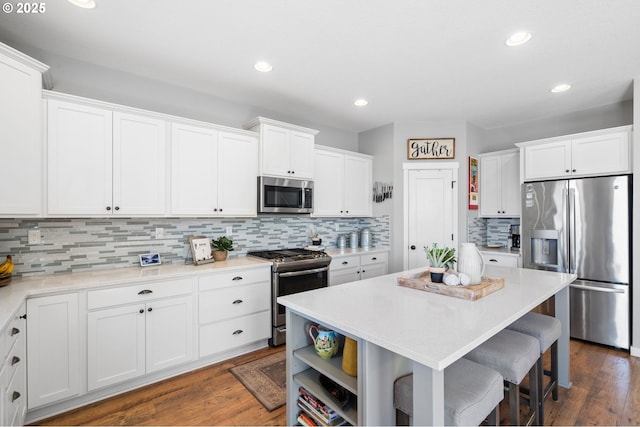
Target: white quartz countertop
x,y
434,330
14,294
336,253
501,250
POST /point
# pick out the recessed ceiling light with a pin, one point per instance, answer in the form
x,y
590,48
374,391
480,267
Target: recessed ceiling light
x,y
360,102
263,66
519,38
86,4
561,88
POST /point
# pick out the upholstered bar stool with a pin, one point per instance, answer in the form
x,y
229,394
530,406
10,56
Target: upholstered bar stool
x,y
513,355
546,330
472,392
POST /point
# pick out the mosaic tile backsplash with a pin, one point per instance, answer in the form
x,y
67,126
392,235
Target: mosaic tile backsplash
x,y
80,244
490,231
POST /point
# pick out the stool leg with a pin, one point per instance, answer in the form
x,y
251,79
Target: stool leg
x,y
554,370
534,398
540,381
514,404
494,417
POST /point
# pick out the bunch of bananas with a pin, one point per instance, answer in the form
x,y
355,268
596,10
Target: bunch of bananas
x,y
7,266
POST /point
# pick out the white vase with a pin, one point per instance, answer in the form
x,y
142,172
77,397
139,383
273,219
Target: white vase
x,y
471,263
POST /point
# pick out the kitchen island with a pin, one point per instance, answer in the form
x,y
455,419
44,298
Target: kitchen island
x,y
401,330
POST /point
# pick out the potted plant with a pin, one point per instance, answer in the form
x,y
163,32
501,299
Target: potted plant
x,y
315,238
221,247
439,260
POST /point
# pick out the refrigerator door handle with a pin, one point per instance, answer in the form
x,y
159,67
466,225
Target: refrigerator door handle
x,y
597,289
571,267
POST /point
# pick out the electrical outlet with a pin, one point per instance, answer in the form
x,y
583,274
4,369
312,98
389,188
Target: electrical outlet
x,y
337,226
34,237
159,233
229,230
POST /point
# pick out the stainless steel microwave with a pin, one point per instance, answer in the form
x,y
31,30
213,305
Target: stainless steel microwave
x,y
284,195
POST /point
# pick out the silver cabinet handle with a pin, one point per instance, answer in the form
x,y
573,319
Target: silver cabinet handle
x,y
14,360
15,396
145,291
238,332
303,272
238,301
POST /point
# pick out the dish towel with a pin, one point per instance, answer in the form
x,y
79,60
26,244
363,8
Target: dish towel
x,y
453,278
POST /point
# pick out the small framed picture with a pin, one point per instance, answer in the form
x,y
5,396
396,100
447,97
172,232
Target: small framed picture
x,y
200,249
149,259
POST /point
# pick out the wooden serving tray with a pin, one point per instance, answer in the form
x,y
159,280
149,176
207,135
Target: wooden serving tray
x,y
422,281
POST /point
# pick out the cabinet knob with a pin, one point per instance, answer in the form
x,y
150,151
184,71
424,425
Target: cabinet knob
x,y
237,278
117,208
149,309
238,332
220,209
14,331
215,209
566,170
412,247
238,301
573,170
108,208
363,271
141,310
14,360
24,316
288,171
374,258
15,396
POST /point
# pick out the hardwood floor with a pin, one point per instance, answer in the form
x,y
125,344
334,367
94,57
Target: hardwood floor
x,y
606,391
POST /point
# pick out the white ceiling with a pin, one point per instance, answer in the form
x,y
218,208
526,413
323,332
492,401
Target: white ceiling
x,y
412,59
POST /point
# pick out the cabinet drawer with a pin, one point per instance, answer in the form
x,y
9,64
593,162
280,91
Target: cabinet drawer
x,y
234,301
223,280
222,336
500,259
138,293
344,262
376,258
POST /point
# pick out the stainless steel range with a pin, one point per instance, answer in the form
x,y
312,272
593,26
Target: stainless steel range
x,y
293,271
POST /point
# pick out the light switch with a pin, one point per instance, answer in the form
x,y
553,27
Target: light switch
x,y
34,237
229,230
159,233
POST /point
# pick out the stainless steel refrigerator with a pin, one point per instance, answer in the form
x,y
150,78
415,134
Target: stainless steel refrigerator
x,y
582,226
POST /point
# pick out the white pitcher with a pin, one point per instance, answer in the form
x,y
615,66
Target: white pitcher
x,y
470,262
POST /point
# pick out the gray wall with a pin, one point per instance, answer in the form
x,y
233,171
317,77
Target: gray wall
x,y
106,84
378,142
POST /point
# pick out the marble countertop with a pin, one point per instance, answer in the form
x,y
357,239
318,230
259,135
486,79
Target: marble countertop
x,y
335,252
435,330
502,250
13,295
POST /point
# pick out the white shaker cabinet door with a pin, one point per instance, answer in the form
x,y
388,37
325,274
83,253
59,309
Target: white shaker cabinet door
x,y
510,194
490,186
21,124
169,332
357,186
139,155
302,148
549,160
116,345
601,154
275,151
237,174
194,185
53,343
79,159
328,190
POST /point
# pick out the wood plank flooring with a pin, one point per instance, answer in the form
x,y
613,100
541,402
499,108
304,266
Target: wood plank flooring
x,y
606,391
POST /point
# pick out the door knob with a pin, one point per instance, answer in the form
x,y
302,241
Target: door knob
x,y
413,247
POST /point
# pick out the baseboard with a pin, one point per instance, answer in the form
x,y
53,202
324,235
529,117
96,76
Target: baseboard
x,y
635,351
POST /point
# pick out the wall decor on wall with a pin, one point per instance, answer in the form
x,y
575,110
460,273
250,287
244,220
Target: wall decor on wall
x,y
473,183
431,148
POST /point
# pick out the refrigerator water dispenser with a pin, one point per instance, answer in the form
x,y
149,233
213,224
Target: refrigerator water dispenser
x,y
544,247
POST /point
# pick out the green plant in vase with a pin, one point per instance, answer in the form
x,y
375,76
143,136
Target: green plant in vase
x,y
221,248
439,260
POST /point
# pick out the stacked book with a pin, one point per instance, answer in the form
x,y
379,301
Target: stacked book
x,y
315,413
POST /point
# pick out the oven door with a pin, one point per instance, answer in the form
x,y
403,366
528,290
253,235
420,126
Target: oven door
x,y
293,282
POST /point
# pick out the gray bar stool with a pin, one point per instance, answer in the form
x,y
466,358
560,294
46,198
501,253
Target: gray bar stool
x,y
546,330
513,355
472,392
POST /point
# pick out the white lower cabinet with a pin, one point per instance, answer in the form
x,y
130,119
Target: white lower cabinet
x,y
349,268
154,331
53,341
234,309
13,372
501,259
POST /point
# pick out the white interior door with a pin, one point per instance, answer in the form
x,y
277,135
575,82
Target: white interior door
x,y
431,212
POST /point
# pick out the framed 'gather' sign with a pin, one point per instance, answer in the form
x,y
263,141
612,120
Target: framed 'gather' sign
x,y
431,148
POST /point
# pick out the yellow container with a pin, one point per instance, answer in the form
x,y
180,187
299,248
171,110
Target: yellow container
x,y
350,357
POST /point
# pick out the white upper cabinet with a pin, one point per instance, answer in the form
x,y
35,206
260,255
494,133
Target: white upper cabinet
x,y
21,135
500,184
286,150
601,152
214,173
343,183
104,163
